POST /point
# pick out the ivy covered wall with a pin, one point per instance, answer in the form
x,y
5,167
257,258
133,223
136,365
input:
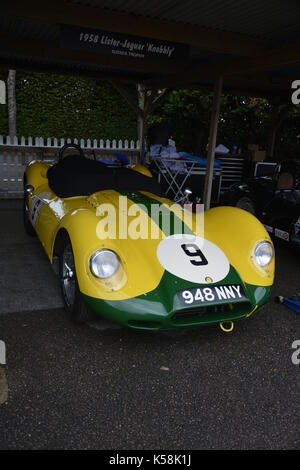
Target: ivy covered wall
x,y
51,105
64,106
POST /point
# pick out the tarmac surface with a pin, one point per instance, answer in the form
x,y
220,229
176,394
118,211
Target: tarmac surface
x,y
102,387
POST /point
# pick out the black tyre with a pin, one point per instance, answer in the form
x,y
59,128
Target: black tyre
x,y
246,203
73,300
27,224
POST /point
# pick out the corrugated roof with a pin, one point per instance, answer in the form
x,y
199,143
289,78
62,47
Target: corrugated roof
x,y
32,38
29,29
270,19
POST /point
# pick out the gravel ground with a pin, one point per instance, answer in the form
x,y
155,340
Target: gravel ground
x,y
100,387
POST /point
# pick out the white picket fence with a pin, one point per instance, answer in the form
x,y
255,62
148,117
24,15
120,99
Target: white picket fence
x,y
15,154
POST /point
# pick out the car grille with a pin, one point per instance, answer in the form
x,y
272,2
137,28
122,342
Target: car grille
x,y
210,309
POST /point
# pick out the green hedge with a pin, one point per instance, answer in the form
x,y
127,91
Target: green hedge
x,y
62,106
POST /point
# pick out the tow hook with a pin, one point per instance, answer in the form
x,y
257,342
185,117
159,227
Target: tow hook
x,y
227,326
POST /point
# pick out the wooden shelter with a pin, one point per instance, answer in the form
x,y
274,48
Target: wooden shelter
x,y
235,45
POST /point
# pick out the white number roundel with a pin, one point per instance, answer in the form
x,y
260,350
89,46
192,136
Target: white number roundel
x,y
193,259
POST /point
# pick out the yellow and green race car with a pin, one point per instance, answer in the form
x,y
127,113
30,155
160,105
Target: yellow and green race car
x,y
218,273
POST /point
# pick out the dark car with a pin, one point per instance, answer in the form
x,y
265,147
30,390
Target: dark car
x,y
274,200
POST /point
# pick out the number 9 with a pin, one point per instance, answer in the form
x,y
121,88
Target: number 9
x,y
188,297
196,252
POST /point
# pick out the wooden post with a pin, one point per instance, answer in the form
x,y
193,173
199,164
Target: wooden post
x,y
273,136
12,104
2,92
141,118
212,141
141,126
279,114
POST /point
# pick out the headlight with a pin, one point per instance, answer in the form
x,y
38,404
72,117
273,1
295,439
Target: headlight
x,y
264,253
104,263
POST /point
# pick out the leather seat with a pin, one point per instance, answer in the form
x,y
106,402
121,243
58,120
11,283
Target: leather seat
x,y
285,181
76,175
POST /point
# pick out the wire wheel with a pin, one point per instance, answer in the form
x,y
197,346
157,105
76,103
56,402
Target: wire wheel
x,y
68,276
73,300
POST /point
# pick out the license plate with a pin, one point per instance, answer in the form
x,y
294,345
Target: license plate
x,y
212,295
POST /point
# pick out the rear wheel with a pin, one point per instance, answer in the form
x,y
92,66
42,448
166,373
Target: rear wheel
x,y
73,300
247,204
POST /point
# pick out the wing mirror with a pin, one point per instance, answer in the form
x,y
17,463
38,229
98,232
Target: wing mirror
x,y
185,199
29,190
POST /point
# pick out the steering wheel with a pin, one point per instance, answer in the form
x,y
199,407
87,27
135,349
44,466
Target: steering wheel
x,y
66,146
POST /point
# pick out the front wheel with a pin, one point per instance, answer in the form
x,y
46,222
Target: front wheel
x,y
73,300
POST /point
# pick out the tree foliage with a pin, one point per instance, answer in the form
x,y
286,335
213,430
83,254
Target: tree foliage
x,y
243,120
65,106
